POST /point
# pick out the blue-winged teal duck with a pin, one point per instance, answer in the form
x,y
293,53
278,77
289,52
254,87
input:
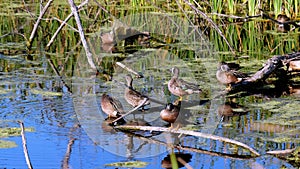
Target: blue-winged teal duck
x,y
180,87
171,112
111,106
132,96
227,76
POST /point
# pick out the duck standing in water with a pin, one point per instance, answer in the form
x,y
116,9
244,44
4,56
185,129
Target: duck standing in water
x,y
179,87
171,112
132,96
111,106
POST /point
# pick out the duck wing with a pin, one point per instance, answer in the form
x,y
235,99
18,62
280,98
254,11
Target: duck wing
x,y
117,105
187,85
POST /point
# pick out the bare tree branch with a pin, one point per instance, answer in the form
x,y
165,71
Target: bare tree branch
x,y
29,43
81,33
63,24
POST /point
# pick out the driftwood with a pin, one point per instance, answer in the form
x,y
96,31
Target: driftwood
x,y
270,66
25,145
253,152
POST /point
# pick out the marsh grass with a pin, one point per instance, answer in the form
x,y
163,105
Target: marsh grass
x,y
255,38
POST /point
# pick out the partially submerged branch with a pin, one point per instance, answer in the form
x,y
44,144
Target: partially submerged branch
x,y
192,133
142,104
25,145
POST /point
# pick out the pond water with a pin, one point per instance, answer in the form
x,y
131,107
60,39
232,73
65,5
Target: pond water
x,y
66,127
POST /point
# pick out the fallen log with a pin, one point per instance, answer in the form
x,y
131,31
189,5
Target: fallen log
x,y
271,66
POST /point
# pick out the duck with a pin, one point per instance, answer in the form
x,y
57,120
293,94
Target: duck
x,y
170,112
227,76
294,65
179,87
132,96
111,106
282,25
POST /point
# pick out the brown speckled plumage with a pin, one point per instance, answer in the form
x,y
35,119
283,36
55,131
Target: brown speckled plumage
x,y
111,106
179,87
133,97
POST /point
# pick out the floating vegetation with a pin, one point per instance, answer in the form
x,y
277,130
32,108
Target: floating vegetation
x,y
7,144
46,93
129,164
10,132
269,105
13,131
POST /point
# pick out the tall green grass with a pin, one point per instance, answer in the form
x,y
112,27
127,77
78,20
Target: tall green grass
x,y
249,37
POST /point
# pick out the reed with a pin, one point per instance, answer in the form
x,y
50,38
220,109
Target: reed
x,y
277,7
244,38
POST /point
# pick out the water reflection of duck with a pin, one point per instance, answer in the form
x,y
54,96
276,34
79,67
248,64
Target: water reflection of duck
x,y
180,87
141,122
282,25
231,109
107,127
180,157
108,42
111,106
294,90
225,75
171,112
133,97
